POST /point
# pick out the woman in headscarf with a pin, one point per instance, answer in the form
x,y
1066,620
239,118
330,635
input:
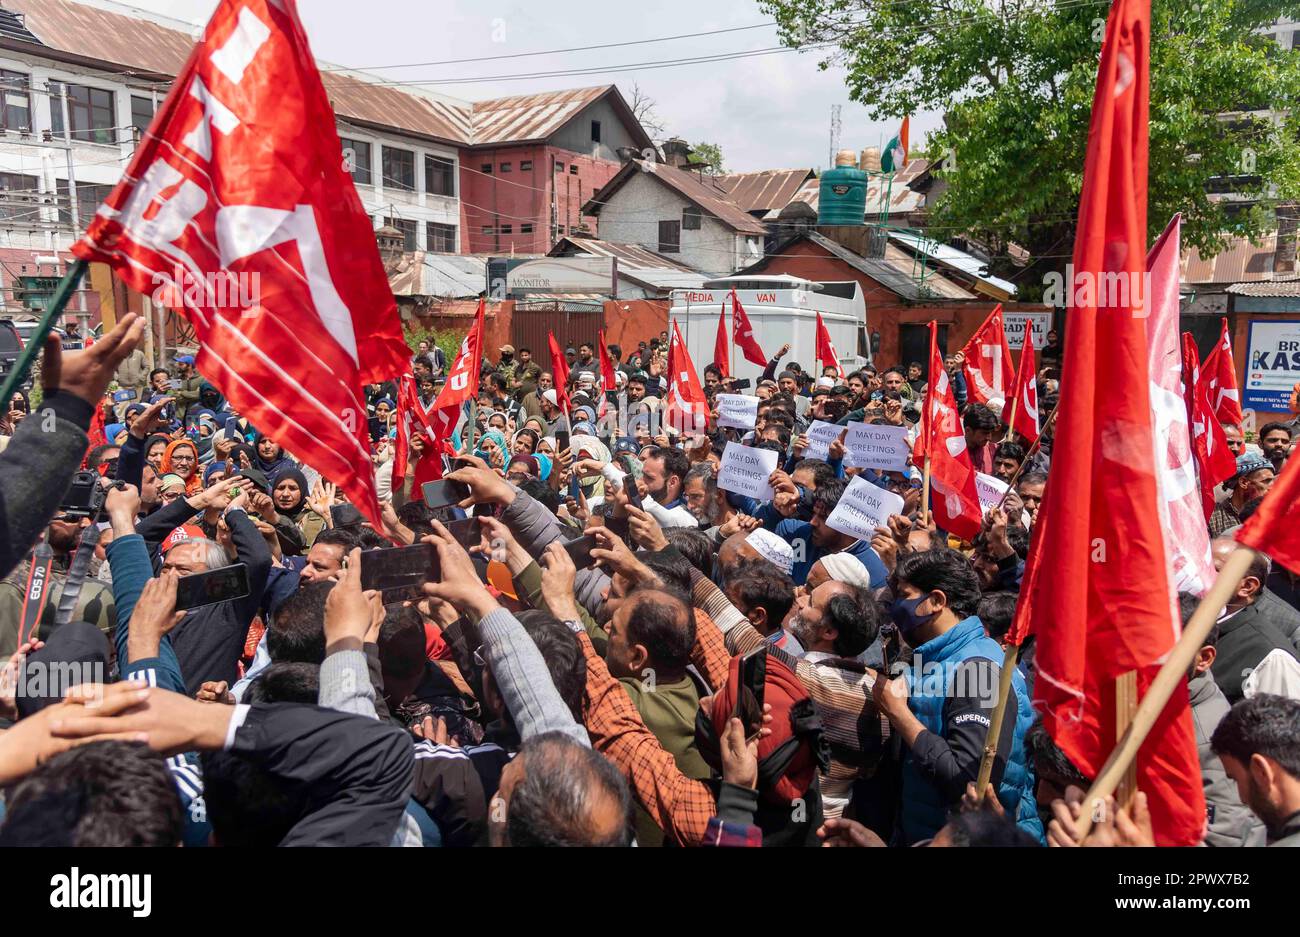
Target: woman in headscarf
x,y
492,449
215,472
525,442
380,423
171,487
270,457
181,457
154,447
295,525
587,447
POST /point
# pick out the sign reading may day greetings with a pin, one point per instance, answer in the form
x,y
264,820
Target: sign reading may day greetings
x,y
745,470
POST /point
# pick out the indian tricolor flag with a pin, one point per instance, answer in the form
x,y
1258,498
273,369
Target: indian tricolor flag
x,y
895,156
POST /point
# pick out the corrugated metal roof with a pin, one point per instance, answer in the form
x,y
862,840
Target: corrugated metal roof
x,y
459,275
141,45
695,188
630,256
767,190
1240,262
11,27
951,257
1282,288
901,201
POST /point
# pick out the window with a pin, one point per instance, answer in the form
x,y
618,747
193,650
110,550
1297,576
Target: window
x,y
573,169
439,175
595,131
506,167
399,169
559,167
488,229
525,229
525,165
691,218
356,160
90,111
89,198
19,198
17,111
559,229
486,169
408,229
507,229
441,238
141,113
670,237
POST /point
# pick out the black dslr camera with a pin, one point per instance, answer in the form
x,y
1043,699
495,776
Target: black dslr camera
x,y
86,497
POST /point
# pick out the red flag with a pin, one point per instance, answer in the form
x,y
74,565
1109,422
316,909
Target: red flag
x,y
1104,603
826,353
988,369
1274,528
954,497
236,210
687,407
462,383
606,365
412,420
1214,460
1220,376
743,333
560,371
1025,393
95,435
721,355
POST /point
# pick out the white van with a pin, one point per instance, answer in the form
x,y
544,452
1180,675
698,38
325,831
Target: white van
x,y
782,309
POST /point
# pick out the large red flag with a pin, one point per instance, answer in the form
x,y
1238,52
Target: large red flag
x,y
1188,540
236,211
412,420
743,333
1274,528
462,385
560,371
988,368
826,353
1100,597
1024,393
1214,460
954,497
1220,376
606,365
687,408
721,353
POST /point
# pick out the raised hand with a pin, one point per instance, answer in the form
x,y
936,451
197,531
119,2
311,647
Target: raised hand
x,y
87,373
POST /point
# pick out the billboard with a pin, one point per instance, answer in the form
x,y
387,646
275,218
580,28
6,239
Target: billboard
x,y
1014,323
1272,364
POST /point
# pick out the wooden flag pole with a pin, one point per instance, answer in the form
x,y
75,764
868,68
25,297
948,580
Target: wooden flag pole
x,y
1011,423
925,493
1126,703
1011,655
1173,673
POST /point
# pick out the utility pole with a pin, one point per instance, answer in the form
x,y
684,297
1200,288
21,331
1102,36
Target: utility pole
x,y
74,209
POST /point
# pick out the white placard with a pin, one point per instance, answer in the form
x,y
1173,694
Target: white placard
x,y
990,491
1014,324
745,470
738,410
820,436
878,446
863,508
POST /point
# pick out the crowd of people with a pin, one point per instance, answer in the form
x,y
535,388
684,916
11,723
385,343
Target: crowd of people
x,y
608,648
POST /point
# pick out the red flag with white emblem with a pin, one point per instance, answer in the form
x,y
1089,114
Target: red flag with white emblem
x,y
1098,590
953,495
826,353
462,384
1024,394
687,407
559,372
1214,460
236,211
1220,376
412,420
743,333
988,370
720,352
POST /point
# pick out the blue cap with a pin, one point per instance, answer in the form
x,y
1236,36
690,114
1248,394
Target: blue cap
x,y
184,359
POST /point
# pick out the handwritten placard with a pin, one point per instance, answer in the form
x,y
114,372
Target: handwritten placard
x,y
863,508
878,446
737,410
745,470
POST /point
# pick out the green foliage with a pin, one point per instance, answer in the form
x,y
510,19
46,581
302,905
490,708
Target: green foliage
x,y
711,155
1015,82
449,340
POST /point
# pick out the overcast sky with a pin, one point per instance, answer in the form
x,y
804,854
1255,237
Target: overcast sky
x,y
766,112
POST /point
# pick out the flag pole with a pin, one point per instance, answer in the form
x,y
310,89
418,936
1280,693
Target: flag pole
x,y
1010,656
1173,673
925,493
62,293
1033,448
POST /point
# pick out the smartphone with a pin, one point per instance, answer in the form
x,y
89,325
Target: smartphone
x,y
468,532
211,587
633,492
459,491
121,396
441,493
232,428
742,385
174,384
579,550
561,440
399,567
575,489
749,692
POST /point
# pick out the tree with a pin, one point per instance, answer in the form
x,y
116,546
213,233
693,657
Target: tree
x,y
1015,82
710,154
643,108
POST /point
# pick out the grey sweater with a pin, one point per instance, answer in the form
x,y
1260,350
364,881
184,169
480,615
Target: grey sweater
x,y
525,684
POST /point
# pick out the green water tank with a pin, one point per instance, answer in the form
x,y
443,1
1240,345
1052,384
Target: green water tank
x,y
842,199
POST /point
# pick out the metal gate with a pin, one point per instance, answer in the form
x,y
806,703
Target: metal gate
x,y
572,321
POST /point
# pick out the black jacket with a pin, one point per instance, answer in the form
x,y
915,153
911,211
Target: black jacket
x,y
1245,639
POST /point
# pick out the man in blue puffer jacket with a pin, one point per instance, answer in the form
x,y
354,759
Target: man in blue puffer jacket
x,y
943,703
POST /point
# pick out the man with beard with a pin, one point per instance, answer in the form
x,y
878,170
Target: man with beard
x,y
814,539
1275,443
708,504
1256,741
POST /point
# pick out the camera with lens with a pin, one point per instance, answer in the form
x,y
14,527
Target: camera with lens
x,y
86,497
